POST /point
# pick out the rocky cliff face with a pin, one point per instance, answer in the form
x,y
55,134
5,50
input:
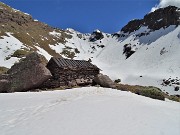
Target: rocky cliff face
x,y
161,18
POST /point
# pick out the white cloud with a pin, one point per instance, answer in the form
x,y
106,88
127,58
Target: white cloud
x,y
165,3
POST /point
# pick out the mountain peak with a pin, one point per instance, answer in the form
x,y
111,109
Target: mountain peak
x,y
97,31
160,18
96,35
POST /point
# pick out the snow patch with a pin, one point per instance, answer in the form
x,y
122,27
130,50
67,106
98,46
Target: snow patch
x,y
54,33
8,45
44,53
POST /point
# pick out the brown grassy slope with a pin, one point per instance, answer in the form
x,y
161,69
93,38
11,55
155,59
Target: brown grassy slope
x,y
31,33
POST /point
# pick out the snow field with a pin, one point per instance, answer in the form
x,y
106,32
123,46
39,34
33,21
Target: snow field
x,y
87,111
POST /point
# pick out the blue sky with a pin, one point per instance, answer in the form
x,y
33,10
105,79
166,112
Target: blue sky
x,y
85,15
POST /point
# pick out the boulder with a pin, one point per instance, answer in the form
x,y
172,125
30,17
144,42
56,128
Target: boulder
x,y
176,88
72,83
104,81
28,74
4,85
4,76
28,62
4,82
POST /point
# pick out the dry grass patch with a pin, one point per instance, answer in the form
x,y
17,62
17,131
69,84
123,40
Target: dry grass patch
x,y
20,53
3,70
147,91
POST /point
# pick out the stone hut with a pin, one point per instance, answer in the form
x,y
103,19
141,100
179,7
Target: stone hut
x,y
70,73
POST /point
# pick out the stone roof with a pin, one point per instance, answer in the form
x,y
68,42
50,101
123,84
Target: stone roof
x,y
73,64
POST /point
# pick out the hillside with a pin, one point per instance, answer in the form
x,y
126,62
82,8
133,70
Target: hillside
x,y
144,52
21,34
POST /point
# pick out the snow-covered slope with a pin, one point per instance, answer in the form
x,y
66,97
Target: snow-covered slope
x,y
155,55
150,64
87,111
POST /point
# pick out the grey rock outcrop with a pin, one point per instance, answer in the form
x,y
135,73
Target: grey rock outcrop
x,y
96,35
30,61
4,85
4,82
28,74
104,81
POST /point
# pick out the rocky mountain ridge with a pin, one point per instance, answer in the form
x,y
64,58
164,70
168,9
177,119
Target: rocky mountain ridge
x,y
161,18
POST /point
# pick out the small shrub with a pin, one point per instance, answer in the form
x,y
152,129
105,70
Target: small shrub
x,y
149,91
68,53
152,93
20,53
174,98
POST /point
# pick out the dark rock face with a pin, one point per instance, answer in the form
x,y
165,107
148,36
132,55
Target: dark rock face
x,y
28,74
176,88
104,81
96,35
132,26
128,50
171,81
156,20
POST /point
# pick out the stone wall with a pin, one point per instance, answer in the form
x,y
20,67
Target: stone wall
x,y
68,77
